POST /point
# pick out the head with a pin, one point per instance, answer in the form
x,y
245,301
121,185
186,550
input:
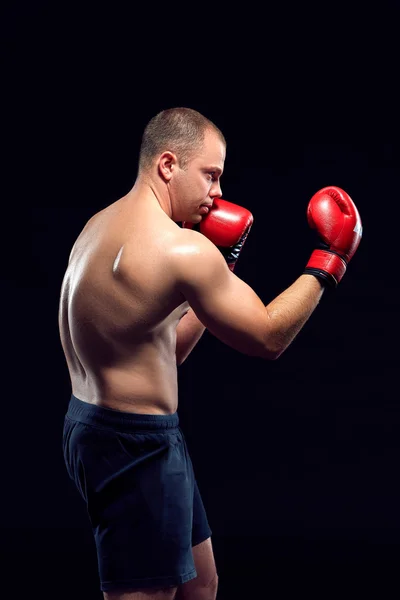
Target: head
x,y
183,154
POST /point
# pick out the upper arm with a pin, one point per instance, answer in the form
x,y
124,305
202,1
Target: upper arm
x,y
226,305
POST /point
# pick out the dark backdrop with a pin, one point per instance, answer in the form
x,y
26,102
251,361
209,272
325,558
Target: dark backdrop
x,y
297,459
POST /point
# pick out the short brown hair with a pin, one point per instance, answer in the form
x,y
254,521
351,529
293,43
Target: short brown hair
x,y
179,130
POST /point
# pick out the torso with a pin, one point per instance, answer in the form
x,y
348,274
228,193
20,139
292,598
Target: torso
x,y
119,309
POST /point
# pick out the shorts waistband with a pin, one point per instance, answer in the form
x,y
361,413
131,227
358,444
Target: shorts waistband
x,y
109,418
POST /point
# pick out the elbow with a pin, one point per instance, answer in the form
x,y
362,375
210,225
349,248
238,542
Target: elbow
x,y
266,352
180,358
179,361
272,353
269,355
274,344
262,352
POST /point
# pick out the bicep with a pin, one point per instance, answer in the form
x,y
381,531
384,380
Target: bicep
x,y
226,305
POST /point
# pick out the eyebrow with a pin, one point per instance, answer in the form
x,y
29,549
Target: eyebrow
x,y
216,169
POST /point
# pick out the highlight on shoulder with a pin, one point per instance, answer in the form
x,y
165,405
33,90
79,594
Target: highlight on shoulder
x,y
195,261
192,243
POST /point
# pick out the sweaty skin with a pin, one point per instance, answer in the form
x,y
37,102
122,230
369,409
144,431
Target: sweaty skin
x,y
119,310
120,304
134,273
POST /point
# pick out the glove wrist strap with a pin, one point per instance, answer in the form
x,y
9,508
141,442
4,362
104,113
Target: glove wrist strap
x,y
328,265
327,280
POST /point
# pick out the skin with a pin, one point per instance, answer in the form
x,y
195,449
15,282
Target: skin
x,y
120,306
139,291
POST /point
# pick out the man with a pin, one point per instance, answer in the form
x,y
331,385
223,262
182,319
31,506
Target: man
x,y
137,295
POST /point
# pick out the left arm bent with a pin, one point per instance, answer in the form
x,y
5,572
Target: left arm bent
x,y
188,333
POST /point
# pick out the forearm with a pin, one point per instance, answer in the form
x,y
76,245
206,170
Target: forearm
x,y
288,312
188,333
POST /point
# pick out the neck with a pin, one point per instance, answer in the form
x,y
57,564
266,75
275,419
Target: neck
x,y
145,190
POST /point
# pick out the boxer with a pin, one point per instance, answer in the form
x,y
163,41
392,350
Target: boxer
x,y
145,277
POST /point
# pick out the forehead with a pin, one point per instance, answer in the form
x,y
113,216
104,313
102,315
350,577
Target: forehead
x,y
213,149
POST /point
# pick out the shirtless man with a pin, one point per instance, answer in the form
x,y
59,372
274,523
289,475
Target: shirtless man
x,y
138,292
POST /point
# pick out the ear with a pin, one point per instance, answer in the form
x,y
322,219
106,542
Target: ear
x,y
167,162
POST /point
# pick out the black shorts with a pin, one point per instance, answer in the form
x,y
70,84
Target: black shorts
x,y
135,474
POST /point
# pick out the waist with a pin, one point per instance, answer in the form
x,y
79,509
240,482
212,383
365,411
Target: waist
x,y
127,390
109,418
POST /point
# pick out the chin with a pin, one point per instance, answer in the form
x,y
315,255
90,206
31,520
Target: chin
x,y
194,219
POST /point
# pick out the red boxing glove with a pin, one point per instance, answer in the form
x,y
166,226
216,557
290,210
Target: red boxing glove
x,y
334,215
227,225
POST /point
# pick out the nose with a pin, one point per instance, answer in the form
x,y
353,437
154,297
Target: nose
x,y
216,191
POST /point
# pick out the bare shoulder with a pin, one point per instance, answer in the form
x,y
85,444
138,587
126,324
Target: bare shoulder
x,y
227,306
83,235
193,257
189,242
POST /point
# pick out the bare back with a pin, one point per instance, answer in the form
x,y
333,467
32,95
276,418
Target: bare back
x,y
119,309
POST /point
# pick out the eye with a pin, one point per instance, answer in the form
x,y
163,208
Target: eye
x,y
212,174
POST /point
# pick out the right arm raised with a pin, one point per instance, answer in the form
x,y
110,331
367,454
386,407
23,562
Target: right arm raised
x,y
231,310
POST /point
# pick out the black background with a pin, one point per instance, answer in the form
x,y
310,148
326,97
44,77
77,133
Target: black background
x,y
297,459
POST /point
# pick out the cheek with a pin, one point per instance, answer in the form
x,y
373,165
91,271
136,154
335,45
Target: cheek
x,y
199,190
195,190
207,186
